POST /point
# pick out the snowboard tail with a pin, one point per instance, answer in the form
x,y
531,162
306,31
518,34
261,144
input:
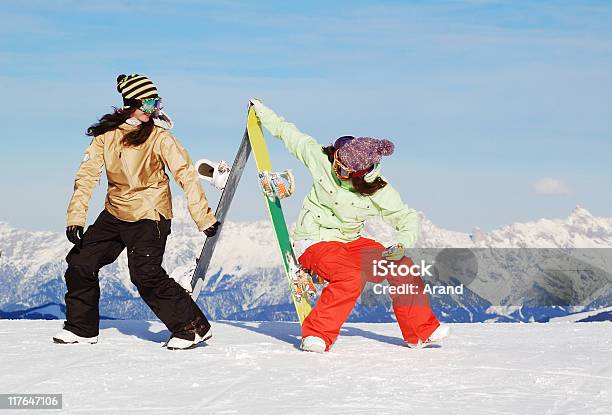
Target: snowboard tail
x,y
300,283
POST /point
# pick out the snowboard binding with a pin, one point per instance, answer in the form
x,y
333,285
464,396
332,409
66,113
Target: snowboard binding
x,y
214,173
277,185
302,286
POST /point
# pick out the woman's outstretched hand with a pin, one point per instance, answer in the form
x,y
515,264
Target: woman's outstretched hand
x,y
74,233
254,102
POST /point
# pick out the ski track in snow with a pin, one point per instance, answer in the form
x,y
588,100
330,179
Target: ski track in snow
x,y
554,368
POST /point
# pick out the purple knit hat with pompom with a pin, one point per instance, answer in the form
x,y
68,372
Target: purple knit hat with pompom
x,y
361,153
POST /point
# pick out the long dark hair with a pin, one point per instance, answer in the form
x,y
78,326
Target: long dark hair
x,y
113,120
359,183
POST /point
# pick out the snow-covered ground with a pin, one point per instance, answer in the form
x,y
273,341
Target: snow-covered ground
x,y
554,368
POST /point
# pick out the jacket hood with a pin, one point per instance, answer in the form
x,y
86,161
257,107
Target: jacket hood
x,y
162,120
374,174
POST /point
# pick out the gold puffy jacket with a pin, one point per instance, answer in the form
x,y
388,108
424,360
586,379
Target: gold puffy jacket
x,y
138,186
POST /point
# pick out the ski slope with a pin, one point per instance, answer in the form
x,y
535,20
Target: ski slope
x,y
554,368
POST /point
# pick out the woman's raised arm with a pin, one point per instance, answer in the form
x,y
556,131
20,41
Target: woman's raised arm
x,y
302,146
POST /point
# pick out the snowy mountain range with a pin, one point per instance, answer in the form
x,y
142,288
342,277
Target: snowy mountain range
x,y
245,281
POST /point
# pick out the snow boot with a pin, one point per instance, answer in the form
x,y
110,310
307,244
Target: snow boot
x,y
177,343
436,337
313,344
68,337
194,333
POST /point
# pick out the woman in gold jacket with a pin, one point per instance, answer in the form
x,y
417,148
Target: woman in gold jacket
x,y
135,146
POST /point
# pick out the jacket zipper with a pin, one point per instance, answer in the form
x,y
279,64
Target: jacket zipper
x,y
128,175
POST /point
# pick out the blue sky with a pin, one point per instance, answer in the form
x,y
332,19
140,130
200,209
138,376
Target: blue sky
x,y
491,104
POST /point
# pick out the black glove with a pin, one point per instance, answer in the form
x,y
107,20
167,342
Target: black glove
x,y
212,229
75,235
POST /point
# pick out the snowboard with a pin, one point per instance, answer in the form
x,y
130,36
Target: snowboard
x,y
300,283
197,280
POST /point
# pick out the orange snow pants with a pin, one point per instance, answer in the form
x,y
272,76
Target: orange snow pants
x,y
339,263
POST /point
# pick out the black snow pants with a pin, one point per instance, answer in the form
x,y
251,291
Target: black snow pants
x,y
145,241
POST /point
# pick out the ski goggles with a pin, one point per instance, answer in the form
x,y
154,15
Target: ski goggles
x,y
344,172
151,105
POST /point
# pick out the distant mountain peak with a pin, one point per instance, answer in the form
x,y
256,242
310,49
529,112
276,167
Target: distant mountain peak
x,y
581,212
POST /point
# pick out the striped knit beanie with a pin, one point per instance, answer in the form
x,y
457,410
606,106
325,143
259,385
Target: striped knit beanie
x,y
134,88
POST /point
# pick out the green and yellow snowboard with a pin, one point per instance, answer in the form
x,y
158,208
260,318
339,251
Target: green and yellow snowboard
x,y
300,282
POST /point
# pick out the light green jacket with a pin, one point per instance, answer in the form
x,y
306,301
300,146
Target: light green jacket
x,y
332,211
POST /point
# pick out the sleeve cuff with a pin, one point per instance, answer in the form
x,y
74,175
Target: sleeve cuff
x,y
207,222
75,223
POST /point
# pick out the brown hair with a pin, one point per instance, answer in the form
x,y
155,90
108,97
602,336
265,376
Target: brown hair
x,y
359,183
113,120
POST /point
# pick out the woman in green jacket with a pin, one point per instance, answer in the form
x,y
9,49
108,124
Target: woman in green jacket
x,y
347,190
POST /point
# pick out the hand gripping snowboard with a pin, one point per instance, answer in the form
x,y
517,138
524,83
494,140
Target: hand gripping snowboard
x,y
197,280
300,283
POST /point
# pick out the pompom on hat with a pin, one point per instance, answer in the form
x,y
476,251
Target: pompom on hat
x,y
134,88
361,153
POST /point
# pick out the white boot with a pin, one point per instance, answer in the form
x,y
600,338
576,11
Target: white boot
x,y
435,338
176,343
313,344
68,337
